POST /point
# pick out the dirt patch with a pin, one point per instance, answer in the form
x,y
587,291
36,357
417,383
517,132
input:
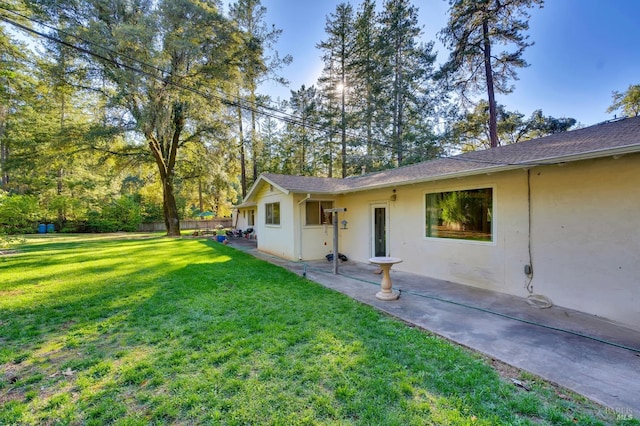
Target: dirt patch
x,y
505,371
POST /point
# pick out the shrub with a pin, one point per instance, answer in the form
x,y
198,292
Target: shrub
x,y
18,213
122,214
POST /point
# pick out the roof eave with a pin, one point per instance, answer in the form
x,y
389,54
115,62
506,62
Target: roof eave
x,y
257,183
608,152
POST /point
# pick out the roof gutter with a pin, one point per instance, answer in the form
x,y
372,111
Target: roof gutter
x,y
549,161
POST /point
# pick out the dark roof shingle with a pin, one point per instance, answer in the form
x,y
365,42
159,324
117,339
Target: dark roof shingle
x,y
609,138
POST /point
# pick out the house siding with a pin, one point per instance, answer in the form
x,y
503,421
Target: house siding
x,y
577,223
314,241
586,236
481,264
584,252
276,239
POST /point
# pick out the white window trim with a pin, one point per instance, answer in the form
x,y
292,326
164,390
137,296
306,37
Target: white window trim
x,y
272,225
305,213
494,215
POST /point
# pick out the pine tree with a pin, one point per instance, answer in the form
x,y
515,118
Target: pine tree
x,y
408,72
474,29
337,53
258,62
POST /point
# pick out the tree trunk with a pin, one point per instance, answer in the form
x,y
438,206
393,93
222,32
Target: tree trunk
x,y
243,166
493,119
255,148
397,107
165,153
4,156
61,213
4,148
169,206
343,124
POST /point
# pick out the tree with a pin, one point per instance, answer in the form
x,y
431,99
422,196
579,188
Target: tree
x,y
258,61
474,28
15,84
471,131
407,74
367,83
336,81
161,65
304,103
627,102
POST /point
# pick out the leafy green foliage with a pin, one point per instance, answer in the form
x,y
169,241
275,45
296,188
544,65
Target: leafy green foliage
x,y
628,102
123,214
471,131
18,213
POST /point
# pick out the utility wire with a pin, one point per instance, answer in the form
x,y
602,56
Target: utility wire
x,y
306,269
489,311
261,109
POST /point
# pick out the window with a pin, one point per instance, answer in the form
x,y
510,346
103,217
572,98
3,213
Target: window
x,y
250,221
315,212
272,213
463,215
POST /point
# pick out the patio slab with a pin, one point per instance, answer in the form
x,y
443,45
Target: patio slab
x,y
584,353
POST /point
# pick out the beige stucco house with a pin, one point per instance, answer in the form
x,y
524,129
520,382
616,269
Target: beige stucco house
x,y
558,216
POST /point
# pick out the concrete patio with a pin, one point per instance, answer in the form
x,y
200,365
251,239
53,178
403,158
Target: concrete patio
x,y
580,352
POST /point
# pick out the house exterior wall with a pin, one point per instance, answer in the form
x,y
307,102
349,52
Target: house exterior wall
x,y
496,265
586,236
583,218
585,228
276,239
241,219
313,241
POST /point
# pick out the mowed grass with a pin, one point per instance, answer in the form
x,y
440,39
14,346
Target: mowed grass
x,y
135,331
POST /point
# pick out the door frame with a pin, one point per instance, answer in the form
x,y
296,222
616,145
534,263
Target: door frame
x,y
372,237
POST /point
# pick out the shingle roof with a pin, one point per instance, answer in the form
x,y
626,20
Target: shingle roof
x,y
610,138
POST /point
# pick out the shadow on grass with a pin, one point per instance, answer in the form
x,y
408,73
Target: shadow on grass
x,y
166,331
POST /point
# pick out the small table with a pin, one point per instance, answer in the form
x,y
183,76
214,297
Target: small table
x,y
385,263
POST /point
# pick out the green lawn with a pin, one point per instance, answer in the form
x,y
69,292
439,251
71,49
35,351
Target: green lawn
x,y
131,330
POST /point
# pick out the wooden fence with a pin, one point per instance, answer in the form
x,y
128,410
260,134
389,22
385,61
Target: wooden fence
x,y
211,224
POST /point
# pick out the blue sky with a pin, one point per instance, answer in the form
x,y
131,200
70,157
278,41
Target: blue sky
x,y
584,50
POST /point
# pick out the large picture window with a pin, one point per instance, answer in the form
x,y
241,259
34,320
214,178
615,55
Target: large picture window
x,y
272,213
463,215
315,212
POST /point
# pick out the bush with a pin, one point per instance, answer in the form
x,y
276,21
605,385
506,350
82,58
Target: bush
x,y
18,213
122,214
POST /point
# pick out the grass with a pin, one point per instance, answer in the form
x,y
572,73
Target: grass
x,y
134,331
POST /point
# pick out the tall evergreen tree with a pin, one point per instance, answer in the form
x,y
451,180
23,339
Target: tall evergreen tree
x,y
13,78
366,82
337,53
474,29
408,71
258,61
304,104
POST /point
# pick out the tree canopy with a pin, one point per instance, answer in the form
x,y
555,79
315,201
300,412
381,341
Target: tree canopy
x,y
628,102
126,110
474,29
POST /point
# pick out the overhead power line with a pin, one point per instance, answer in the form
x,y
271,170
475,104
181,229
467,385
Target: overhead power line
x,y
226,99
142,67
